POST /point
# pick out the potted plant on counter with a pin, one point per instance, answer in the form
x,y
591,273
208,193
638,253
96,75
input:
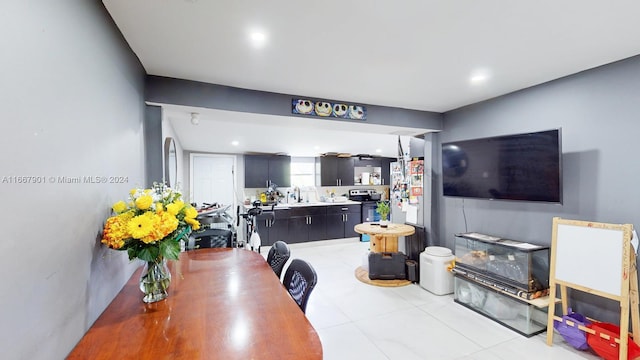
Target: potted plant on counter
x,y
383,209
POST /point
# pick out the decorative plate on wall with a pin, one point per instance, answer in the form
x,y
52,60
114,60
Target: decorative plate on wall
x,y
328,109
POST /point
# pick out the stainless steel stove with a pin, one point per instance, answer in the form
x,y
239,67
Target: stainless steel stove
x,y
363,195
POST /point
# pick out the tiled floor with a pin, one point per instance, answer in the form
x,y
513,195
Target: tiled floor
x,y
359,321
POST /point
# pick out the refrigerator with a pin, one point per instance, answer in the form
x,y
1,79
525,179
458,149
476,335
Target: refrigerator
x,y
406,196
406,191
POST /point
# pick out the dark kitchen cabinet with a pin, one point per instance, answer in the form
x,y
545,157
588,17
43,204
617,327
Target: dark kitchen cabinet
x,y
341,220
280,170
352,218
256,171
262,170
383,163
336,171
262,226
370,162
307,223
385,175
272,226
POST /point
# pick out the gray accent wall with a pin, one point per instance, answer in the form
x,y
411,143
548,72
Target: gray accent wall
x,y
153,145
72,109
598,112
163,90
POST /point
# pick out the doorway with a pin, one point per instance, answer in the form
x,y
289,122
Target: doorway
x,y
212,180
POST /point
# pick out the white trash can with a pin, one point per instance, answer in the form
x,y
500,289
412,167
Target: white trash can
x,y
434,274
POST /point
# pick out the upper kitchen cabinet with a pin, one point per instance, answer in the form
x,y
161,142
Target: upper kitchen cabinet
x,y
385,165
367,162
262,170
336,171
372,170
366,171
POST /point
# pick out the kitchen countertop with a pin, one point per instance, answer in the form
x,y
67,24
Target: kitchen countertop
x,y
306,204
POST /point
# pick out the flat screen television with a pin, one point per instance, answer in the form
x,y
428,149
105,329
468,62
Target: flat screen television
x,y
524,167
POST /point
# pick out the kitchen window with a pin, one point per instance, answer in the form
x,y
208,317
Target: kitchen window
x,y
303,171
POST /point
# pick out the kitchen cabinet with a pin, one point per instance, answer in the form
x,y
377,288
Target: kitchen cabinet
x,y
262,170
272,226
380,166
336,171
299,224
366,171
352,218
341,220
307,223
280,170
385,175
372,162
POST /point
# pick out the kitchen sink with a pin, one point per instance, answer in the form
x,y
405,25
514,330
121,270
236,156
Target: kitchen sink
x,y
337,199
302,204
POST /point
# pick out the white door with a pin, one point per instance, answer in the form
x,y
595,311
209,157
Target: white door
x,y
213,180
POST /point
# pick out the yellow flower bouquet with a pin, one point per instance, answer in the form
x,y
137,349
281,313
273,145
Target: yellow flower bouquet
x,y
149,226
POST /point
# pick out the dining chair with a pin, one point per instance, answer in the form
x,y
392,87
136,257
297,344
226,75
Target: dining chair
x,y
212,238
299,279
278,256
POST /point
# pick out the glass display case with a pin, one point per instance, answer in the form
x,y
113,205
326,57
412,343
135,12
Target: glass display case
x,y
520,265
526,317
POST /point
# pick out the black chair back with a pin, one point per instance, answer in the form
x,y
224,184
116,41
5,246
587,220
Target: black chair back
x,y
213,238
278,256
300,279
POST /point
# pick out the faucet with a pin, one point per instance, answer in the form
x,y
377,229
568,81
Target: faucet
x,y
297,190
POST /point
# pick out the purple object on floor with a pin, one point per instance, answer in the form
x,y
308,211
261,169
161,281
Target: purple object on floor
x,y
571,334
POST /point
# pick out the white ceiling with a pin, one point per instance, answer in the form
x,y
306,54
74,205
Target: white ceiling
x,y
414,54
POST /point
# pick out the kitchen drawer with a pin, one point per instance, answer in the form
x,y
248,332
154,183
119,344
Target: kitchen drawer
x,y
337,209
307,210
281,214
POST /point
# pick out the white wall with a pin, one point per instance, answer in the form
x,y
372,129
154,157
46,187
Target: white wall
x,y
72,106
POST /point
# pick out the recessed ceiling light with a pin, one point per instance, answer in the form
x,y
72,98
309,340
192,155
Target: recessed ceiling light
x,y
378,150
258,38
479,77
235,143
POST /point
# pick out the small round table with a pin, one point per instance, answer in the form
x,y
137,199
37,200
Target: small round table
x,y
384,239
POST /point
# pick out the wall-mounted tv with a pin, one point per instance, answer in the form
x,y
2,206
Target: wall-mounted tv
x,y
525,167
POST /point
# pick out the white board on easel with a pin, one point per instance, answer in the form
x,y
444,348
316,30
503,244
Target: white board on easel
x,y
595,258
591,257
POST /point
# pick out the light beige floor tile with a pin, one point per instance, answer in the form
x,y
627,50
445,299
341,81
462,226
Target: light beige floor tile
x,y
347,342
359,321
413,334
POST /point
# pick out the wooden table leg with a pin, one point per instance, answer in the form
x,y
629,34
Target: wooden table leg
x,y
391,244
377,243
384,243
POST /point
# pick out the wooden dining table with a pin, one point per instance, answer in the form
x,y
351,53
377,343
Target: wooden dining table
x,y
222,304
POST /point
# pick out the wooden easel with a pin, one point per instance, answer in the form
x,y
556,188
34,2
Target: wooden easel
x,y
577,248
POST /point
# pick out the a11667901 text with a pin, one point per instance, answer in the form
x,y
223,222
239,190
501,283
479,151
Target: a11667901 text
x,y
99,179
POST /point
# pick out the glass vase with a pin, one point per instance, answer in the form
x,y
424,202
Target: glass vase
x,y
155,280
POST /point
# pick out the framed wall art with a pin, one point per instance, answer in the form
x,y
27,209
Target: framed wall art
x,y
328,109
